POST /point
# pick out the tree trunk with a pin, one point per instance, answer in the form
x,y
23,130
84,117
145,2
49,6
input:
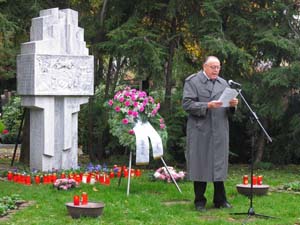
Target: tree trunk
x,y
169,67
90,141
260,148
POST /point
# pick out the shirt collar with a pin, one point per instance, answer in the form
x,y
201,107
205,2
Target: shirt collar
x,y
207,76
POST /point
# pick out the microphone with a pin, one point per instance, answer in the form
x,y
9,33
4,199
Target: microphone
x,y
233,83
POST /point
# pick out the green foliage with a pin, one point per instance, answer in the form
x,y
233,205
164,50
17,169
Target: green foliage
x,y
8,203
293,186
264,165
12,114
2,126
176,128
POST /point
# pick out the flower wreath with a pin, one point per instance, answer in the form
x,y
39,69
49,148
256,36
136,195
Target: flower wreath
x,y
65,184
128,106
162,174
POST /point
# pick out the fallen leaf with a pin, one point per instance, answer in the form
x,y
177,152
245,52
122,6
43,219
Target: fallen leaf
x,y
95,189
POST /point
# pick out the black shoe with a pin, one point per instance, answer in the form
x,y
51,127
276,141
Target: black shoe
x,y
223,205
200,206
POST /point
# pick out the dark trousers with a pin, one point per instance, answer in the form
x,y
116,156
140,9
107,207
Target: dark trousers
x,y
219,192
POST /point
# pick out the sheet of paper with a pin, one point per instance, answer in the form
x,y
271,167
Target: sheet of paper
x,y
227,95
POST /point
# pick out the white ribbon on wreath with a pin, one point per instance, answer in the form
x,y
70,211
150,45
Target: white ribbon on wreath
x,y
143,132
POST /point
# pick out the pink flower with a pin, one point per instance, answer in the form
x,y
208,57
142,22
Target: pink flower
x,y
161,120
121,99
154,111
145,101
151,99
142,94
158,106
125,121
127,103
129,112
135,104
110,102
162,126
142,109
117,109
131,132
133,97
117,95
5,131
135,114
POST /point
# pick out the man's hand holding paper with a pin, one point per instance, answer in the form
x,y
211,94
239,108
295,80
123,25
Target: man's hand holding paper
x,y
228,98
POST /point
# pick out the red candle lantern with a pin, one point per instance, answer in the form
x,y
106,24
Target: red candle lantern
x,y
84,198
76,200
107,180
45,179
260,180
125,173
138,173
28,180
102,178
111,174
77,178
88,179
245,179
23,179
15,177
254,180
63,175
37,179
54,177
119,173
9,175
132,172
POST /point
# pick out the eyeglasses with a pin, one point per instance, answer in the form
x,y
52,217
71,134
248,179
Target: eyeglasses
x,y
214,67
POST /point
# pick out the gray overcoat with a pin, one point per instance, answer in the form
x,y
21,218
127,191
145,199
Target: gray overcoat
x,y
207,129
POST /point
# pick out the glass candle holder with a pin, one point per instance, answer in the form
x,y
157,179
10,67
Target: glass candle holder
x,y
84,198
76,200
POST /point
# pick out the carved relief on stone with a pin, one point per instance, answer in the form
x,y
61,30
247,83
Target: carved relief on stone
x,y
66,74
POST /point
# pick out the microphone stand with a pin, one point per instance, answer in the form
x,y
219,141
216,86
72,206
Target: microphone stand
x,y
251,211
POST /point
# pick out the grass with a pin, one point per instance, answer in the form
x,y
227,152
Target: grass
x,y
158,203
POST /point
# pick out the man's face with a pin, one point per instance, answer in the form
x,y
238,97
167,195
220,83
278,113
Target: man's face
x,y
212,69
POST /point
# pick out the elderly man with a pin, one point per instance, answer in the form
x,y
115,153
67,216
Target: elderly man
x,y
207,132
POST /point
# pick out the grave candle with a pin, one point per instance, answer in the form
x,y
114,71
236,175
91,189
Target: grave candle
x,y
93,180
107,180
260,180
37,179
125,172
76,200
27,179
84,178
245,179
254,180
84,197
111,174
9,175
138,173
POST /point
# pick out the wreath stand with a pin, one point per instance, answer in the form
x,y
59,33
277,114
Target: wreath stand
x,y
129,174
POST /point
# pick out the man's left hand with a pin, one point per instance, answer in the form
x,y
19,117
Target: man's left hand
x,y
233,102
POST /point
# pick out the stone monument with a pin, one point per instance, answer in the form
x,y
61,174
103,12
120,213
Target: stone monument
x,y
55,75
